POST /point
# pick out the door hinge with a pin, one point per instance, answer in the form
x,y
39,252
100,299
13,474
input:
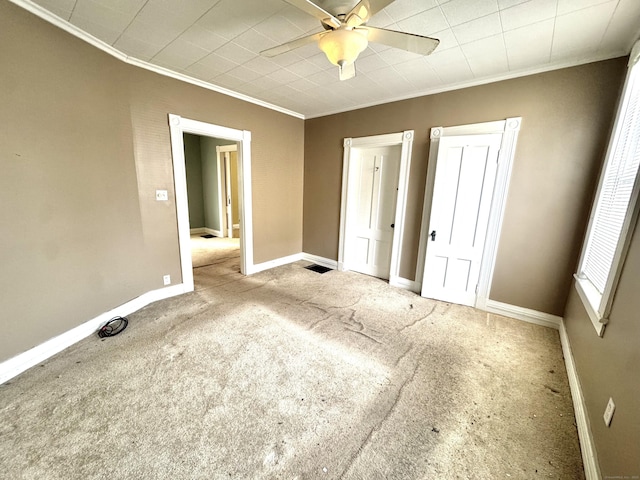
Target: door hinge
x,y
476,289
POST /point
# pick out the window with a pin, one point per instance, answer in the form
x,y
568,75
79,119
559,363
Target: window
x,y
615,209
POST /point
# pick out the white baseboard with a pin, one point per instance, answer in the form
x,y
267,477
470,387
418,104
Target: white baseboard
x,y
587,447
520,313
325,262
274,263
18,364
400,282
211,231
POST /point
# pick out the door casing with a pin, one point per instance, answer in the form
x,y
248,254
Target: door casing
x,y
509,128
223,188
405,139
178,126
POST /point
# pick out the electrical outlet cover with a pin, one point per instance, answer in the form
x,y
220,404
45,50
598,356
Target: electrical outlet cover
x,y
162,195
608,412
167,279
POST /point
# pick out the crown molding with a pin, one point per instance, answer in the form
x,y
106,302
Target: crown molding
x,y
49,17
477,82
105,47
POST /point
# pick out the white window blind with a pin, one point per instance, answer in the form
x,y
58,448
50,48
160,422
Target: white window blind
x,y
615,193
615,207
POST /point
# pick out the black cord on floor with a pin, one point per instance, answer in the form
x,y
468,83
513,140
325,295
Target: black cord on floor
x,y
113,327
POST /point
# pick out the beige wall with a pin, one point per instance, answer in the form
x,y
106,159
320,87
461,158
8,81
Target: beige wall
x,y
610,367
84,144
567,117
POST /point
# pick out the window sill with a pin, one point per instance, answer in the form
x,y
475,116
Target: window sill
x,y
591,299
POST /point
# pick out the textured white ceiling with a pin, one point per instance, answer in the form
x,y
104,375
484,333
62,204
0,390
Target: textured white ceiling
x,y
218,41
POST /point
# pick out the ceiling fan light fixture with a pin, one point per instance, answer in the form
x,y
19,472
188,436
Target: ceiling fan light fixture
x,y
343,45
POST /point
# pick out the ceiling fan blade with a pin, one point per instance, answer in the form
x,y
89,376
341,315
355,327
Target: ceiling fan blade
x,y
405,41
316,11
292,45
347,71
364,10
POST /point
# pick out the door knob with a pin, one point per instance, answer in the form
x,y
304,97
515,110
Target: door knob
x,y
433,236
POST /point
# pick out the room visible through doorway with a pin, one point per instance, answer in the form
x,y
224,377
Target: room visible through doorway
x,y
211,167
178,126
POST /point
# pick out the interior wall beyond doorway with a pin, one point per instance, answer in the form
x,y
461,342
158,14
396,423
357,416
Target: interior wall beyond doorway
x,y
202,182
193,167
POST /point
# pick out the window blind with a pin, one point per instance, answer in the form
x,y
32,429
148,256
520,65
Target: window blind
x,y
615,194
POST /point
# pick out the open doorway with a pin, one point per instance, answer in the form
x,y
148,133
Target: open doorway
x,y
211,166
211,134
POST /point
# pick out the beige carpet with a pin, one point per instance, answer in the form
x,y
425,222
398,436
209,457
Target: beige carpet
x,y
209,251
295,375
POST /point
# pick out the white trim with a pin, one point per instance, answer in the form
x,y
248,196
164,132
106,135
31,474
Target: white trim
x,y
484,128
325,262
105,47
405,139
521,313
227,148
404,283
509,128
278,262
477,82
22,362
82,35
178,126
210,231
587,446
222,215
586,292
225,211
434,145
598,306
634,56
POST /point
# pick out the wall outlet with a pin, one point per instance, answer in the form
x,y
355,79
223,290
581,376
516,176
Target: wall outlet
x,y
167,279
608,412
162,195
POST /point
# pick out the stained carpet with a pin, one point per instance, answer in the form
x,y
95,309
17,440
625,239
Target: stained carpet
x,y
291,374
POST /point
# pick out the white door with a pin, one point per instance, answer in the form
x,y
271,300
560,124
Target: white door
x,y
465,176
375,173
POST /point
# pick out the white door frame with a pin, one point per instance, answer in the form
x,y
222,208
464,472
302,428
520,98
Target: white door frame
x,y
509,129
178,126
227,180
406,140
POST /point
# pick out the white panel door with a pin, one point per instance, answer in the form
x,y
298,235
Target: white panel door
x,y
375,174
465,176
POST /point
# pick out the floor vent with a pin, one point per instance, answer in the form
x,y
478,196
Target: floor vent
x,y
318,268
208,235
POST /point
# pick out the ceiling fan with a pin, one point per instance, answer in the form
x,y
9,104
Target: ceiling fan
x,y
347,35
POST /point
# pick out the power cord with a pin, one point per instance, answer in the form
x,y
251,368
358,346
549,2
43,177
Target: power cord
x,y
113,327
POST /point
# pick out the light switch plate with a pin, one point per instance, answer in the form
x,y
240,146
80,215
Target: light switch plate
x,y
608,412
162,195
